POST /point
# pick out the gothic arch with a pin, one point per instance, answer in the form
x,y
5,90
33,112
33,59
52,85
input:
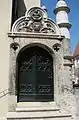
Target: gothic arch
x,y
34,71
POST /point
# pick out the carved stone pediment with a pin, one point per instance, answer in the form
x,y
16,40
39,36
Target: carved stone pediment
x,y
35,21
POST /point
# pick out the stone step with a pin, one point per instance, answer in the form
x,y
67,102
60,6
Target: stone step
x,y
38,111
39,115
40,106
34,109
36,104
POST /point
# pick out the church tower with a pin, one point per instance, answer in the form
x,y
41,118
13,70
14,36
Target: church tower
x,y
61,11
38,64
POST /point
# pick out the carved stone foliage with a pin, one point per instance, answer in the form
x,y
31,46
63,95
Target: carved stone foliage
x,y
35,20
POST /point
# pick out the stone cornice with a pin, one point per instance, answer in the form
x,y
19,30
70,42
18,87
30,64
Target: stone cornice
x,y
35,35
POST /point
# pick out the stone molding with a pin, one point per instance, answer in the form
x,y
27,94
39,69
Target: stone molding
x,y
34,35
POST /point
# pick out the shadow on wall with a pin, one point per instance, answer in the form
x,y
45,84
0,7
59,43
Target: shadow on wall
x,y
21,8
18,10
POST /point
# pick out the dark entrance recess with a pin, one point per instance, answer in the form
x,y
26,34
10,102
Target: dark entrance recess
x,y
35,75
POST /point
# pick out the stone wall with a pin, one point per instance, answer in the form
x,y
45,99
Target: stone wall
x,y
5,25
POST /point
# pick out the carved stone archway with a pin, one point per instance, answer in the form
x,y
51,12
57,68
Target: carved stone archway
x,y
35,29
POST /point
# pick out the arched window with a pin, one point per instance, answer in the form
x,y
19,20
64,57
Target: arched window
x,y
35,75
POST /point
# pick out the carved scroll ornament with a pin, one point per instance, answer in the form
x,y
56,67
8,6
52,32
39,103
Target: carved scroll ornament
x,y
35,20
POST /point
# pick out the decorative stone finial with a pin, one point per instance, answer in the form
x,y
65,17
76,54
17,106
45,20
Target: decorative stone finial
x,y
44,8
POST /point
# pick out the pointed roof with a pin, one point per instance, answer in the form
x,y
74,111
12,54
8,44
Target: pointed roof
x,y
76,53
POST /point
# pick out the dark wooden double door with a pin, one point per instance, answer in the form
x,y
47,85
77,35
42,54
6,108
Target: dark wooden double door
x,y
35,75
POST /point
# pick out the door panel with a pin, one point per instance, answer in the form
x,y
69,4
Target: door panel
x,y
44,82
35,75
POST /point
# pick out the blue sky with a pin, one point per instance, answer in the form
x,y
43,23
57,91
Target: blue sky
x,y
73,17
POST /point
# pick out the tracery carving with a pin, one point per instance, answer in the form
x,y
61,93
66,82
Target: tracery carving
x,y
35,21
36,15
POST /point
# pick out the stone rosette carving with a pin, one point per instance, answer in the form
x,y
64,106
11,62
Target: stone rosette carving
x,y
14,45
56,47
35,21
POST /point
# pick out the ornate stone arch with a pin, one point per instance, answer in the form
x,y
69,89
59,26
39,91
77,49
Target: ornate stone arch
x,y
36,21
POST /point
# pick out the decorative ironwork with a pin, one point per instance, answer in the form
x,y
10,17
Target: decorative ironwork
x,y
26,66
43,64
26,88
44,89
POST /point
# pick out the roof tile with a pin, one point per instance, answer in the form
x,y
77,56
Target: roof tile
x,y
76,53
